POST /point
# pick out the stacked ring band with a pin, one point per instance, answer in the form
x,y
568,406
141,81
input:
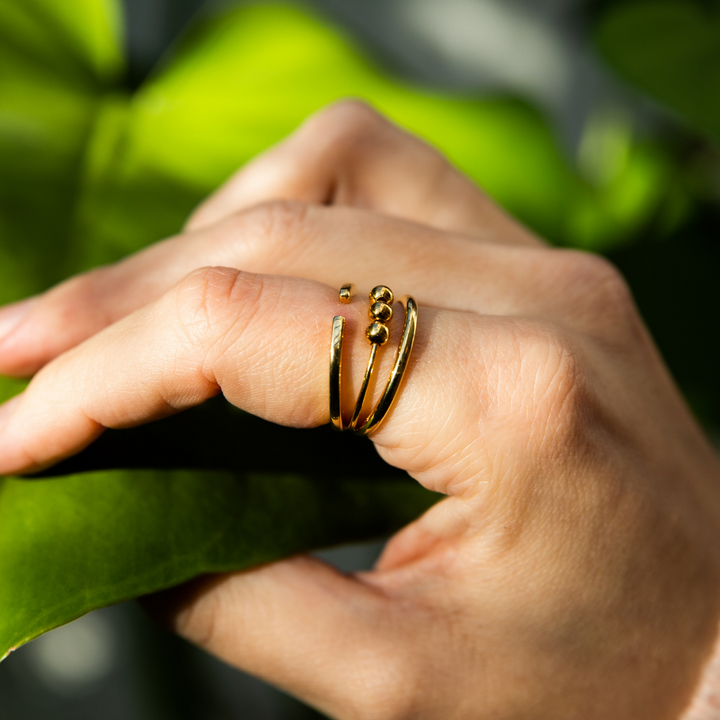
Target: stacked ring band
x,y
381,299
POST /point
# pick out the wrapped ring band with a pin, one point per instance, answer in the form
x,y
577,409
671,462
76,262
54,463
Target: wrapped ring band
x,y
377,334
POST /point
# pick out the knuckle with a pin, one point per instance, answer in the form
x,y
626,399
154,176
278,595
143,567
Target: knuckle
x,y
554,401
230,322
598,291
350,127
344,121
211,300
271,230
599,274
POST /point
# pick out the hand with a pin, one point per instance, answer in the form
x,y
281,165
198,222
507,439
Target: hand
x,y
572,571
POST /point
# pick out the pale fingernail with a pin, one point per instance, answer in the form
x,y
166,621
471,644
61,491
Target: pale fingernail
x,y
12,315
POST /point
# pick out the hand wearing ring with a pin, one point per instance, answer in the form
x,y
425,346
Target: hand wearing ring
x,y
572,571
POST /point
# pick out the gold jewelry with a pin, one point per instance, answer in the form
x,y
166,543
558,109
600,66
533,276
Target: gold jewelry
x,y
402,357
381,298
338,332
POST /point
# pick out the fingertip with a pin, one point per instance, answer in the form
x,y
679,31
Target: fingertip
x,y
26,447
7,409
35,331
166,606
11,460
13,318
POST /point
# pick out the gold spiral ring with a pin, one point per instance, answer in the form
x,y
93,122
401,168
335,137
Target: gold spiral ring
x,y
381,298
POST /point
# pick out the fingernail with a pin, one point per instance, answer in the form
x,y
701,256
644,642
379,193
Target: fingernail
x,y
13,315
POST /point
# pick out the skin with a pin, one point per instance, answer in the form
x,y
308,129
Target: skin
x,y
573,569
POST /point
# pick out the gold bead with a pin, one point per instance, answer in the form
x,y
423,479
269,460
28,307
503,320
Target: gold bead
x,y
377,333
382,293
380,311
346,292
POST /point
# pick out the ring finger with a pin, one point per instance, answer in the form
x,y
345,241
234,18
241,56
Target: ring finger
x,y
262,341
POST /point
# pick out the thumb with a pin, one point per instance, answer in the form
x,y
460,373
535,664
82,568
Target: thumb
x,y
330,639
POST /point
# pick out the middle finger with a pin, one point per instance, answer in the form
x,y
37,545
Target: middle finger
x,y
328,244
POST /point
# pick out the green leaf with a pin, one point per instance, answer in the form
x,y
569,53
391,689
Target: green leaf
x,y
671,49
78,539
75,43
69,546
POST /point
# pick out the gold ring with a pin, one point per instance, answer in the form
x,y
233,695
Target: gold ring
x,y
381,298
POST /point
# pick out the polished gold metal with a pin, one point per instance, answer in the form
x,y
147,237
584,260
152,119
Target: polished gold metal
x,y
380,311
346,293
377,333
381,297
402,357
338,332
382,293
364,387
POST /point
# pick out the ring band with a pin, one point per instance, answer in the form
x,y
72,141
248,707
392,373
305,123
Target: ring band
x,y
338,331
402,357
381,298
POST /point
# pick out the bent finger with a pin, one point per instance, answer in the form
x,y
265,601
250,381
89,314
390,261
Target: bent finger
x,y
329,639
264,342
348,154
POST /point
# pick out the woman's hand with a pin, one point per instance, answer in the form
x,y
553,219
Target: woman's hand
x,y
573,569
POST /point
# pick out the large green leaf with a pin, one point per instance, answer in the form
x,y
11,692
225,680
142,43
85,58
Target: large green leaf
x,y
671,49
91,173
84,541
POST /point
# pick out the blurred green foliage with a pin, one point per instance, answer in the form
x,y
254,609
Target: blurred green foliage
x,y
671,49
92,171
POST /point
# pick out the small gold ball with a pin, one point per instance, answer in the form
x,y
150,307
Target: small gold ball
x,y
382,293
346,292
377,333
380,311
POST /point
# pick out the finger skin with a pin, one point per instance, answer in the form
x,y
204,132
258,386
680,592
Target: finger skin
x,y
330,245
191,343
264,341
349,633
